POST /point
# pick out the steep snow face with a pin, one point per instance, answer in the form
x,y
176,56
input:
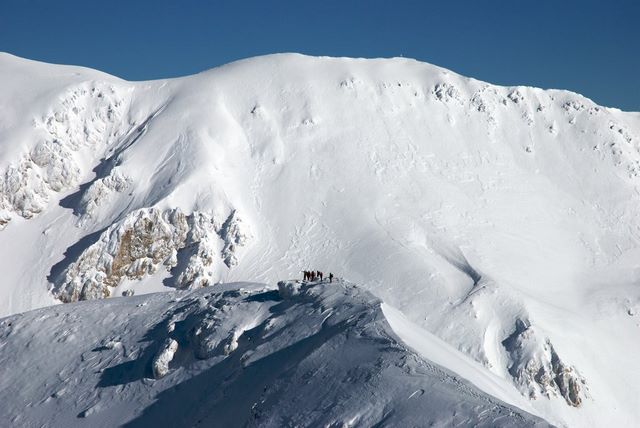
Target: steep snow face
x,y
468,207
233,355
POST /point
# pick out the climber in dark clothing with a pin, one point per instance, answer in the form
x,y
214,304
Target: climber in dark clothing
x,y
330,277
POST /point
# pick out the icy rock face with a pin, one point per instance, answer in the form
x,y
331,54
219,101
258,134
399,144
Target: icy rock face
x,y
87,116
99,192
234,234
163,358
147,240
537,368
131,249
199,252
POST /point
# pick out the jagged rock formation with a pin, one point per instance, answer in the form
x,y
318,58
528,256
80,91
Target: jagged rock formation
x,y
87,116
233,236
196,257
537,368
99,192
147,240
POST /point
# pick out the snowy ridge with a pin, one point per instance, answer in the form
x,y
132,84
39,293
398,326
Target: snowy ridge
x,y
233,355
470,208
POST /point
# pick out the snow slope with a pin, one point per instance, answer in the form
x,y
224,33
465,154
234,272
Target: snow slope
x,y
502,220
239,355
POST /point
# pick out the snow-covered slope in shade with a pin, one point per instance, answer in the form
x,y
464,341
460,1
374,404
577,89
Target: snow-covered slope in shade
x,y
503,220
233,355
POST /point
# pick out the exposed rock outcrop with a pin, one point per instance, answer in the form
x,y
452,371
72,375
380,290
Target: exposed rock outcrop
x,y
537,368
201,249
150,239
446,92
86,116
99,192
233,235
161,361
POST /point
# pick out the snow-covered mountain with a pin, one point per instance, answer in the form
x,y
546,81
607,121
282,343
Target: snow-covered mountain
x,y
238,355
502,220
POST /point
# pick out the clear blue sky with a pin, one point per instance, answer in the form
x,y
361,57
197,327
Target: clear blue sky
x,y
591,47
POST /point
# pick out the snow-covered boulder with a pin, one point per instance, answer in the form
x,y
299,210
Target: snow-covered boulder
x,y
162,359
288,289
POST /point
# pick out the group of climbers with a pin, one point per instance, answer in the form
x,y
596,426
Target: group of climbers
x,y
310,275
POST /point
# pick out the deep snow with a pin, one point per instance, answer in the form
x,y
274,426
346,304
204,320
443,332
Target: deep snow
x,y
502,220
240,355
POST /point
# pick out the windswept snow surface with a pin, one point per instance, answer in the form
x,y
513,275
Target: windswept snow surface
x,y
232,355
435,350
501,220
